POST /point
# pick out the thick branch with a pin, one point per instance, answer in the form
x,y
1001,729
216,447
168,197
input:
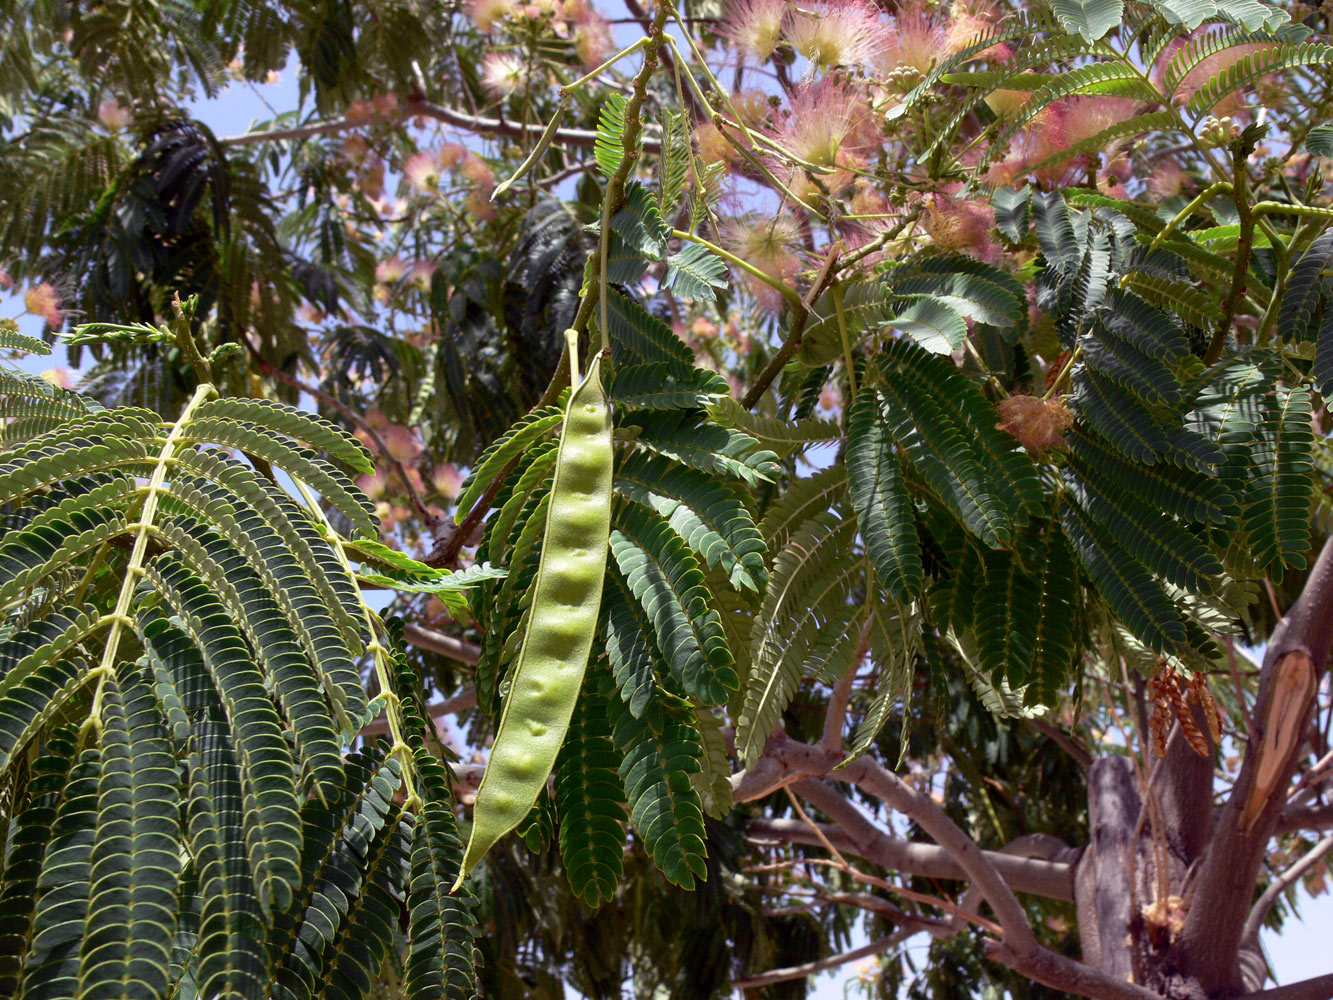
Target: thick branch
x,y
1019,948
445,645
1210,941
1104,892
1060,973
886,785
853,833
1320,988
1313,818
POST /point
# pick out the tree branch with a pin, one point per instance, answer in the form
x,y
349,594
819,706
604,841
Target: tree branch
x,y
832,962
1313,818
886,785
1063,740
446,645
793,342
853,833
1061,973
438,112
1319,988
1279,885
1293,663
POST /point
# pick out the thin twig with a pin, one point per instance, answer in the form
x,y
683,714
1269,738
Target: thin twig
x,y
887,886
793,342
823,964
438,112
1279,885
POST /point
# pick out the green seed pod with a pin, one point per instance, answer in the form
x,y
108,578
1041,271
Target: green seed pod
x,y
567,594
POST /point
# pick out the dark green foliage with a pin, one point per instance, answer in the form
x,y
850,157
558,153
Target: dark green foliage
x,y
135,857
661,751
587,800
879,495
1277,501
668,584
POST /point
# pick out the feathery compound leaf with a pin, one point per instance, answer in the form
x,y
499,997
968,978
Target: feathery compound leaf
x,y
695,272
942,453
879,495
823,541
1163,545
660,754
706,513
298,462
51,962
631,643
802,500
308,428
272,825
650,386
1055,641
344,916
44,463
126,951
295,564
1090,18
353,958
895,640
1179,492
58,535
39,685
1306,287
709,447
1005,626
232,959
1249,14
297,937
781,436
527,432
587,800
934,324
972,413
639,224
609,148
12,340
29,833
1132,429
296,683
441,925
1323,359
1131,591
1277,502
713,782
1255,65
639,336
665,578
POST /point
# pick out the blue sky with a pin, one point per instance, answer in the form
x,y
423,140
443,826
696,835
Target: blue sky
x,y
1301,951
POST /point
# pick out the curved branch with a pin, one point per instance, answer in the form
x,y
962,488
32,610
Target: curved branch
x,y
1279,885
852,833
1319,988
832,962
886,785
